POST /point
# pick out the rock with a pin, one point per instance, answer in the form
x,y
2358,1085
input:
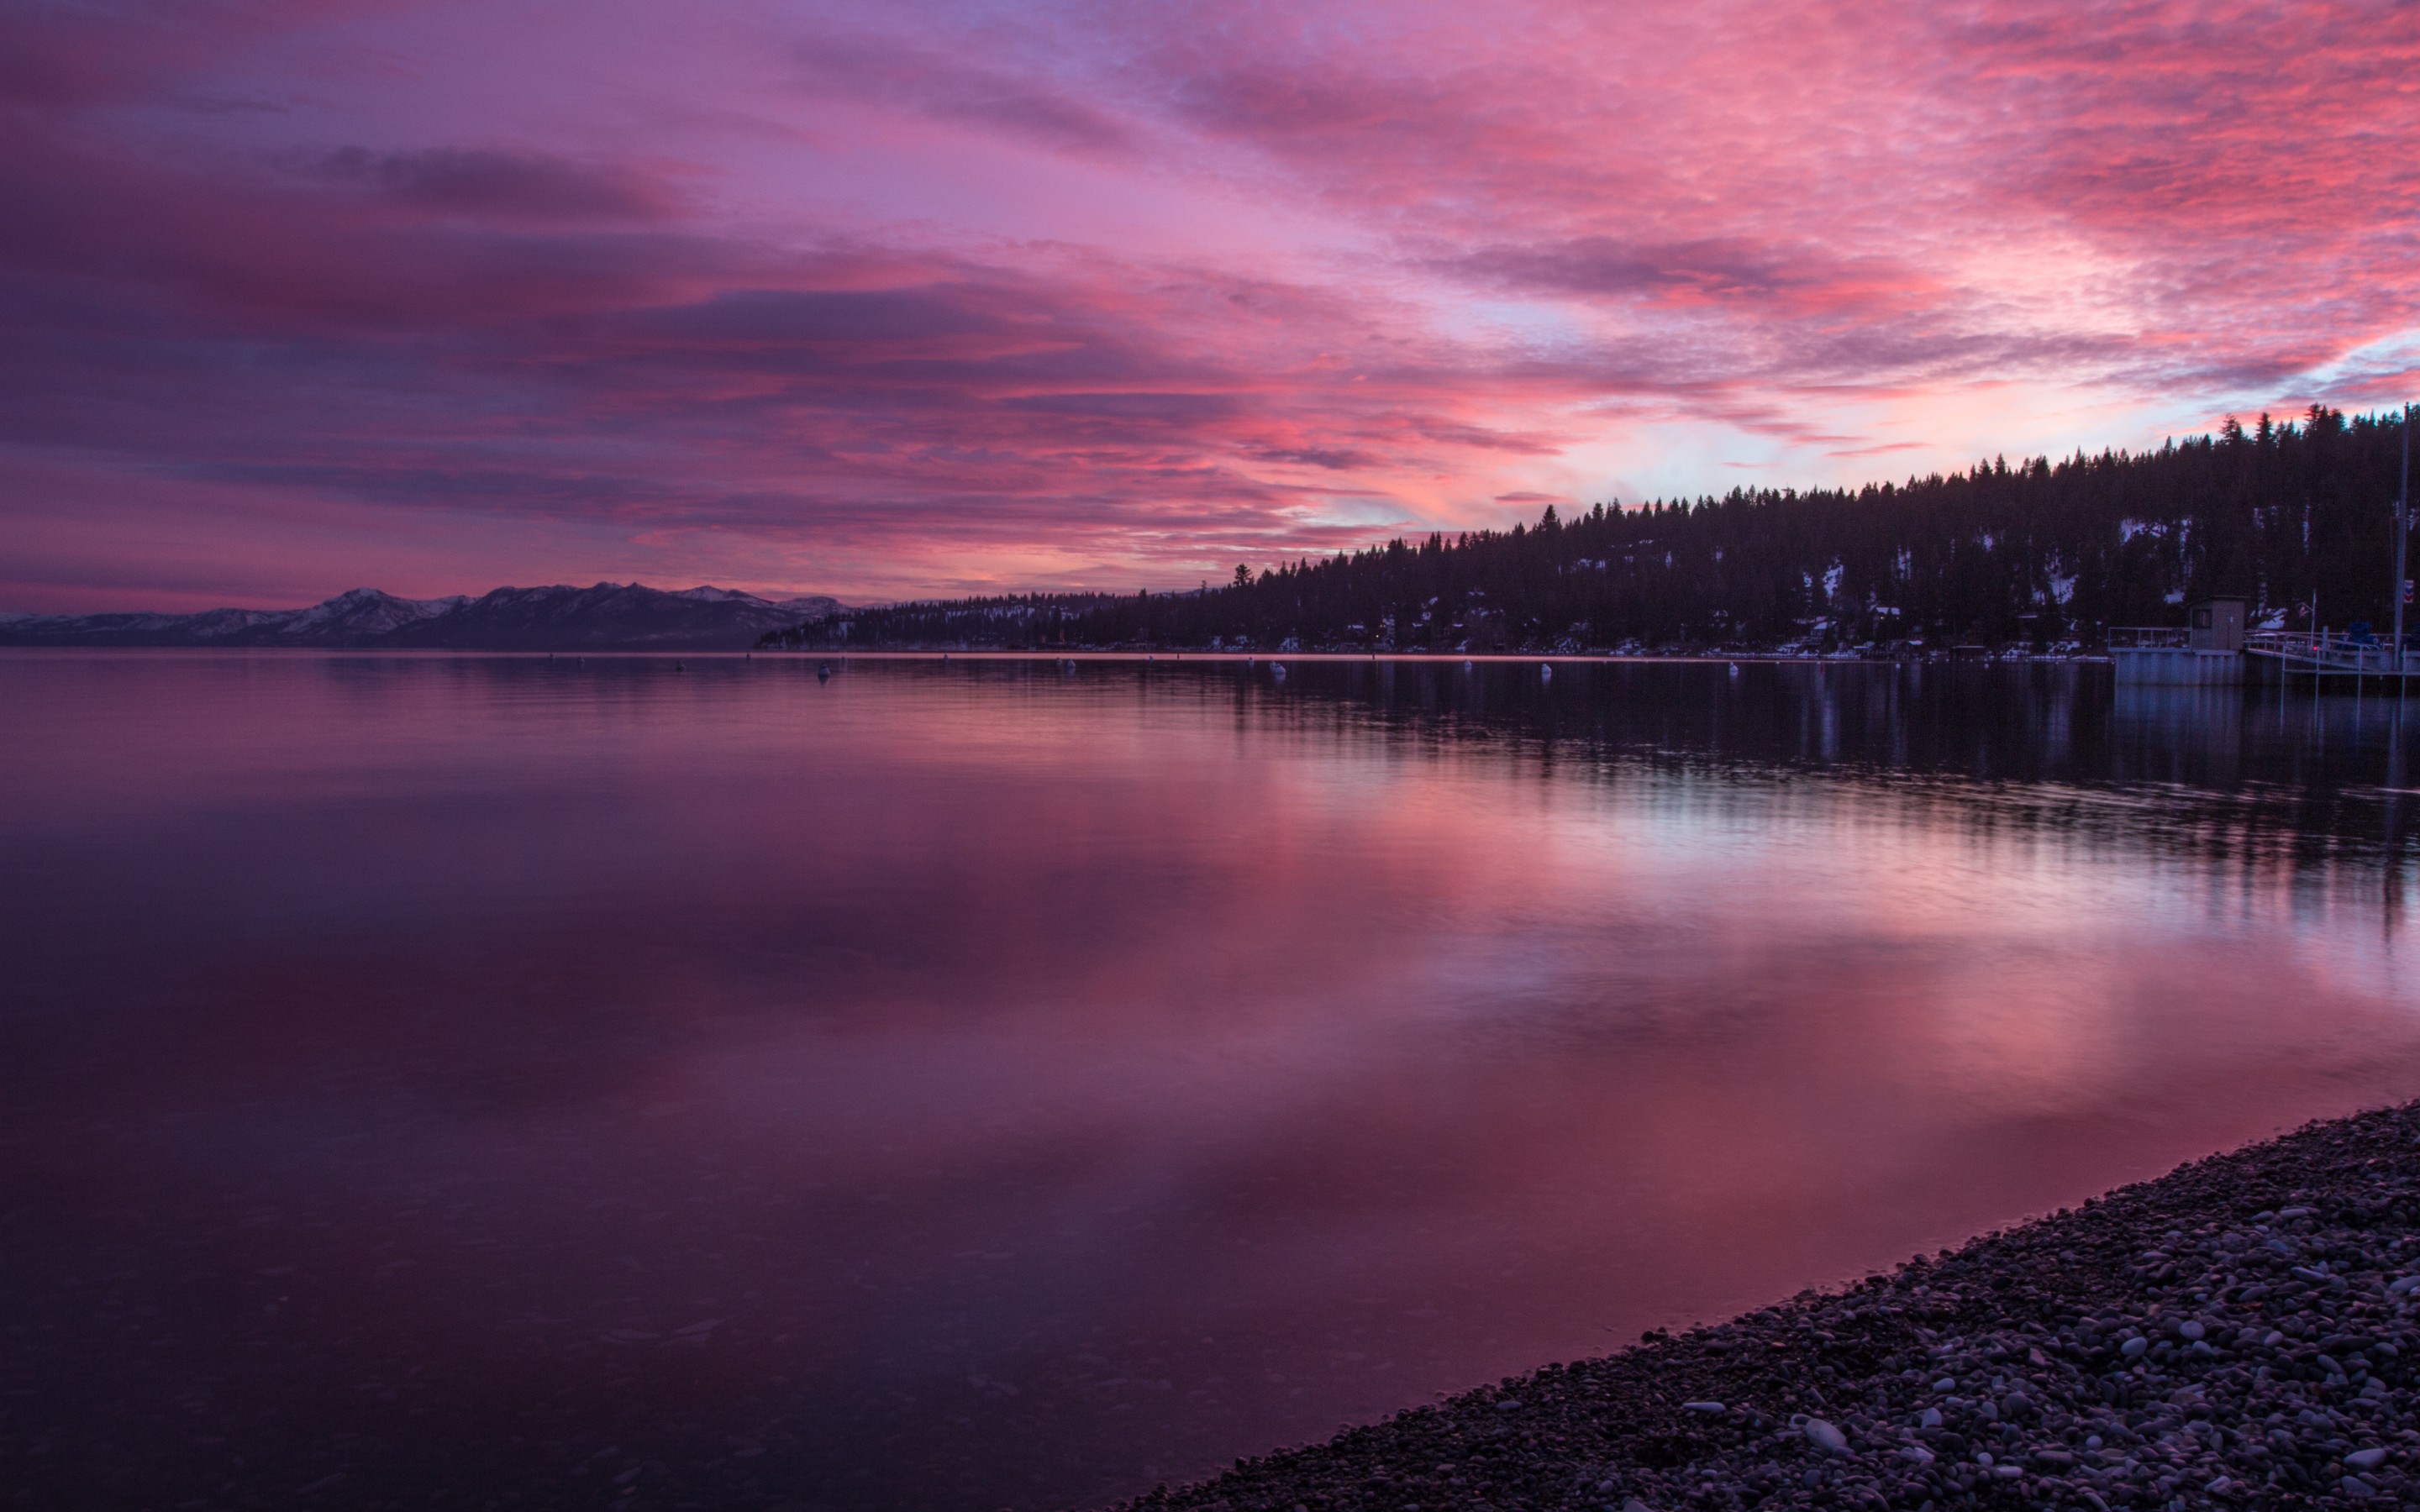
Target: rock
x,y
2132,1349
1929,1418
2355,1486
1710,1408
1509,1404
1824,1436
2365,1458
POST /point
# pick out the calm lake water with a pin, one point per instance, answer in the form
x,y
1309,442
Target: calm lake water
x,y
492,1082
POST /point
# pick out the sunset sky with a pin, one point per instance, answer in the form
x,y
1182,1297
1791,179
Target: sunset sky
x,y
938,297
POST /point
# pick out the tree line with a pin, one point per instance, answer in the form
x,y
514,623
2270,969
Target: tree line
x,y
2295,517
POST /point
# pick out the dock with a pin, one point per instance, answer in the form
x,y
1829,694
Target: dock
x,y
2207,651
2215,649
2330,662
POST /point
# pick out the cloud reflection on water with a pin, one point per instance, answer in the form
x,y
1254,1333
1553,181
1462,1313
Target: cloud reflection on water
x,y
1046,1084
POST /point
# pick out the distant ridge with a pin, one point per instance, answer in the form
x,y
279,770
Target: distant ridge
x,y
607,617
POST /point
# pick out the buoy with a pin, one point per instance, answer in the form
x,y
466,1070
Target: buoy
x,y
1546,673
1734,669
1466,666
678,668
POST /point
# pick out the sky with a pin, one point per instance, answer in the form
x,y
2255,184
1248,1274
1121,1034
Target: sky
x,y
299,296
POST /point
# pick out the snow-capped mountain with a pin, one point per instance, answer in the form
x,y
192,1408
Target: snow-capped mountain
x,y
607,617
365,612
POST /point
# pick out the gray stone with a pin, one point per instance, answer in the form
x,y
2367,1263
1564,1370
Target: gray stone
x,y
1825,1437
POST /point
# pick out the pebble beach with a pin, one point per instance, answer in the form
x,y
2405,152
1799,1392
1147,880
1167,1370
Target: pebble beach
x,y
2238,1333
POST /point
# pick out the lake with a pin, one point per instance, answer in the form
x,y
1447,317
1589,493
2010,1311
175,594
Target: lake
x,y
496,1082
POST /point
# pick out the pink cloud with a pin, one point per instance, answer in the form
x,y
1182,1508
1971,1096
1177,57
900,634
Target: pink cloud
x,y
885,303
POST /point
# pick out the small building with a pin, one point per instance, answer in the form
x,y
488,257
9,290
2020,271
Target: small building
x,y
2209,649
2216,624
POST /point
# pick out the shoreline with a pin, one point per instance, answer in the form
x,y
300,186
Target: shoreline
x,y
2238,1331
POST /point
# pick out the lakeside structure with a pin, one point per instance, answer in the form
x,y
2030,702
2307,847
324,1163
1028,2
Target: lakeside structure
x,y
2215,649
2330,661
2238,1332
2208,650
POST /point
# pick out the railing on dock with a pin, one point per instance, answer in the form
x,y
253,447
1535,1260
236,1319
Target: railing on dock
x,y
2300,651
2150,637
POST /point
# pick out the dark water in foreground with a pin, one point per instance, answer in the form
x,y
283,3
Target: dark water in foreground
x,y
458,1082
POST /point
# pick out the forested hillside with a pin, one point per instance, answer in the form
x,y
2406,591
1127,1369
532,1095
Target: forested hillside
x,y
2043,553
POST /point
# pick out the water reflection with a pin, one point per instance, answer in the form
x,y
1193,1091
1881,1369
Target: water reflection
x,y
999,1084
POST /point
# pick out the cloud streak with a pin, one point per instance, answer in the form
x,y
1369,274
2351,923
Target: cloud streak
x,y
1084,295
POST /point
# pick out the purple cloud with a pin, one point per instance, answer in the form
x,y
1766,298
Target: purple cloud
x,y
1064,295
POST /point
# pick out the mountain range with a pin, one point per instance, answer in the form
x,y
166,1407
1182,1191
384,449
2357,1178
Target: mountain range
x,y
607,617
